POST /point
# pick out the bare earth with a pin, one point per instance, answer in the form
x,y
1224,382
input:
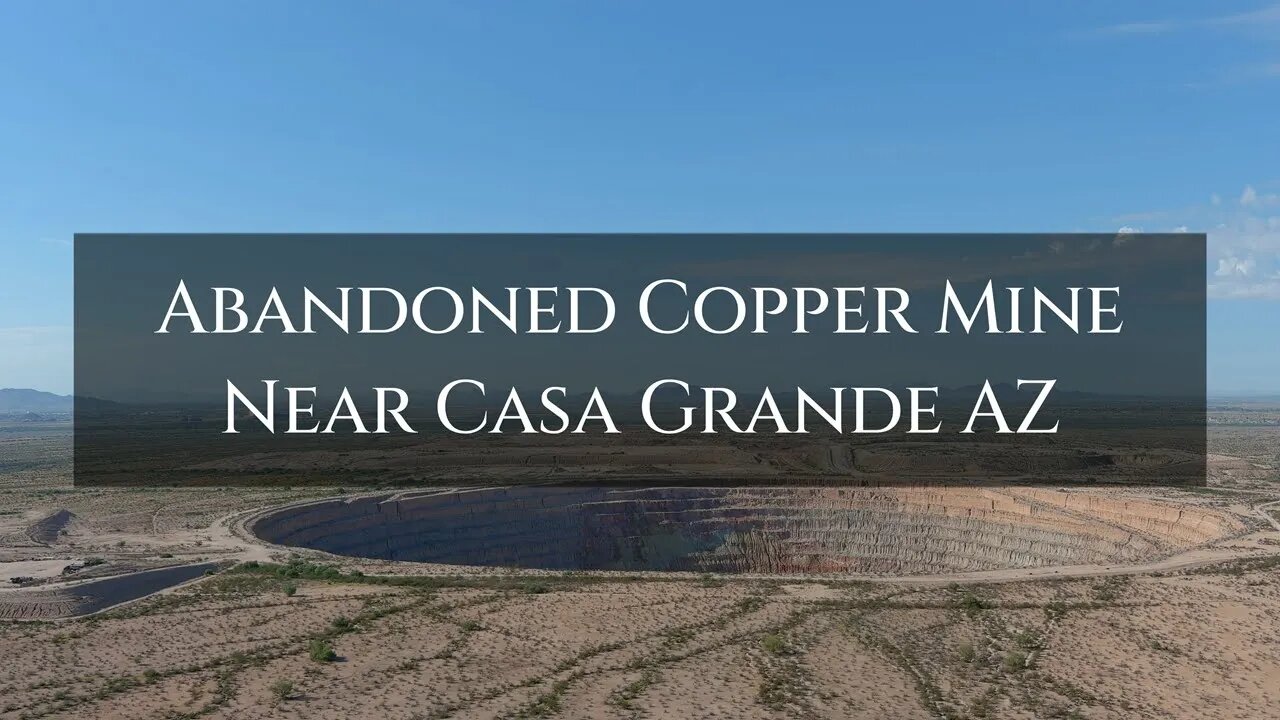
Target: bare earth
x,y
1186,630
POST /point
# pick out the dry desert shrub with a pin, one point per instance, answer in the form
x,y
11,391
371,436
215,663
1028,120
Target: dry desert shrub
x,y
282,690
321,651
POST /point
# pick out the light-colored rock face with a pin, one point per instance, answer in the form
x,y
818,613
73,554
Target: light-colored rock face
x,y
768,530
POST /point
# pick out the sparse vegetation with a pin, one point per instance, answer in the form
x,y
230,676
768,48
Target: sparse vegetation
x,y
545,705
970,651
1029,640
1015,661
1110,589
625,698
282,690
774,644
1055,610
971,604
321,651
1241,566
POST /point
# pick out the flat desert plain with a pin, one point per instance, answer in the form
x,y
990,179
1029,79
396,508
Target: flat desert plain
x,y
158,603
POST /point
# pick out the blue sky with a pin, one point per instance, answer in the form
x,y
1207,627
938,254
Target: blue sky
x,y
630,116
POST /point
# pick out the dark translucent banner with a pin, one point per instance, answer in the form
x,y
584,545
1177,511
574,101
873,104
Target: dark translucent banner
x,y
639,359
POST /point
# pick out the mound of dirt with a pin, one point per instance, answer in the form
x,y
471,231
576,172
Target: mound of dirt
x,y
49,529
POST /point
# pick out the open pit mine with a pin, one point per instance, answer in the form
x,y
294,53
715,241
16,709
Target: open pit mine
x,y
899,531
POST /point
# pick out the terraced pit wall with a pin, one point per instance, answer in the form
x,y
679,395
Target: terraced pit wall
x,y
769,530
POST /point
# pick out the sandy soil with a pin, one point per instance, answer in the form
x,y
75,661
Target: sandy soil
x,y
1187,644
1191,635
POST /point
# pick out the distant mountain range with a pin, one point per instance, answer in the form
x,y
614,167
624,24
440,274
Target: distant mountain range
x,y
23,400
16,401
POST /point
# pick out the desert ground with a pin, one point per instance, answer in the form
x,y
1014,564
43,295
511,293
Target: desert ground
x,y
161,603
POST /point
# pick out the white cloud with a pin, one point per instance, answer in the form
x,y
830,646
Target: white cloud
x,y
1263,290
1233,266
1262,24
1251,198
1154,27
1244,243
1246,21
1252,18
